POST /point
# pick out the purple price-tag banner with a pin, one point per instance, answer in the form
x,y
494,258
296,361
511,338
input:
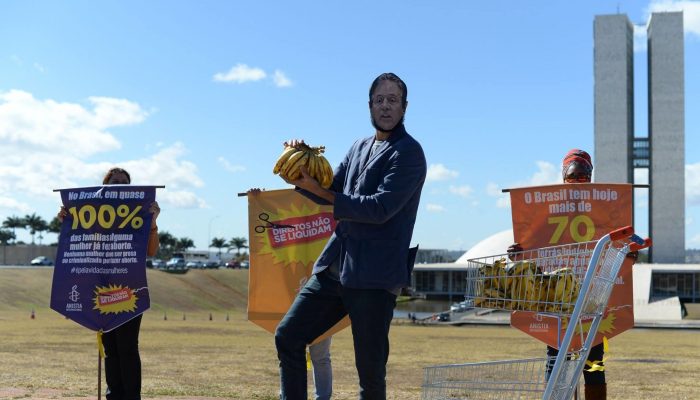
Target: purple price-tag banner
x,y
99,278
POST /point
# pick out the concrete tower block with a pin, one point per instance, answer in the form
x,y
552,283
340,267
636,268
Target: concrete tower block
x,y
614,98
667,137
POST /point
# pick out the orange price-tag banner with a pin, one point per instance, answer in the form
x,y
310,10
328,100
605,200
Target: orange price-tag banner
x,y
287,232
572,213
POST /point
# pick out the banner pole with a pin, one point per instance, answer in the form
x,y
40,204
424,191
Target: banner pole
x,y
100,355
155,186
99,375
635,185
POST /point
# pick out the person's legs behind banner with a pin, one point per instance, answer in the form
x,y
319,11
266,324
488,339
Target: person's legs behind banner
x,y
323,370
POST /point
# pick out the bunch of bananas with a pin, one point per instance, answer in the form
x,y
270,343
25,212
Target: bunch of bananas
x,y
564,289
289,164
527,285
523,286
493,289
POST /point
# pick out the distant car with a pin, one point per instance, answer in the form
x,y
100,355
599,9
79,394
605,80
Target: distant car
x,y
245,264
233,264
159,264
212,264
41,260
444,317
459,307
467,304
175,262
194,264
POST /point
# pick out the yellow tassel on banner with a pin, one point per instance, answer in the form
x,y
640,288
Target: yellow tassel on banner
x,y
308,359
100,348
599,365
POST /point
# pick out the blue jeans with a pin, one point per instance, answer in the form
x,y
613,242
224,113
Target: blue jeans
x,y
320,305
323,370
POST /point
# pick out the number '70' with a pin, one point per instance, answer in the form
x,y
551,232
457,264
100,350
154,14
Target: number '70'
x,y
574,230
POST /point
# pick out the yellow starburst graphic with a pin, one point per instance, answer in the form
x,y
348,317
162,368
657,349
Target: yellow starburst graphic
x,y
288,228
114,299
606,326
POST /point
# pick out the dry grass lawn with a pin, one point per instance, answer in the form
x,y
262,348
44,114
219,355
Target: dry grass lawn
x,y
54,358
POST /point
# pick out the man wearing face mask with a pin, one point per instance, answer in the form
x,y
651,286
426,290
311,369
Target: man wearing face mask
x,y
375,195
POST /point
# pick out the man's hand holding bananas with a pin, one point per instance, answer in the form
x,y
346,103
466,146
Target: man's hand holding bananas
x,y
305,167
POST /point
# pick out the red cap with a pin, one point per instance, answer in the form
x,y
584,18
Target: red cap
x,y
577,155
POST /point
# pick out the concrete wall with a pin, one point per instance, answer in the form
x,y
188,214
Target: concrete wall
x,y
644,311
613,98
666,136
23,254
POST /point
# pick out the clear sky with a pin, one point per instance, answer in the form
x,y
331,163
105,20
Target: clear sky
x,y
199,96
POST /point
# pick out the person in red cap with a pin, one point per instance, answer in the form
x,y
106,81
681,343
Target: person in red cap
x,y
577,168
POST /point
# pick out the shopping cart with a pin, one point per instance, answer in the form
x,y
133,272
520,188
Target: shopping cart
x,y
572,282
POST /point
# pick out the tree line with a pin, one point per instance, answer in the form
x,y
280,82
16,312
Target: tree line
x,y
35,224
237,243
169,244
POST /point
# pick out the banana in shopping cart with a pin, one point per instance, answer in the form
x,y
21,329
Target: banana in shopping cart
x,y
524,286
564,289
495,285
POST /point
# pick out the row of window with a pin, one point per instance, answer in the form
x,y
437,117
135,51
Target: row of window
x,y
685,285
439,281
640,153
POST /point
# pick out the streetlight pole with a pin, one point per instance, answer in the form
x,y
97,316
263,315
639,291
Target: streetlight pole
x,y
209,233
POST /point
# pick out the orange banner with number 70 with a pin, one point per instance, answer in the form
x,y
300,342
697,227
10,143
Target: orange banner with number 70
x,y
571,213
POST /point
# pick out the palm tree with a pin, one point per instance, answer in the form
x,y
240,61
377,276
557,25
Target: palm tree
x,y
55,225
167,240
218,243
41,227
36,224
238,243
184,243
167,244
5,236
13,222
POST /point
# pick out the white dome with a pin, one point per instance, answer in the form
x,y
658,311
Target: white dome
x,y
493,245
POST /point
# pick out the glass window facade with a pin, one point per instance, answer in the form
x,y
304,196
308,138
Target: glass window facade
x,y
685,285
438,282
425,281
640,152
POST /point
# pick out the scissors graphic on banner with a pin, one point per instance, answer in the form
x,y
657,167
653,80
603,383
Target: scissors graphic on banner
x,y
264,217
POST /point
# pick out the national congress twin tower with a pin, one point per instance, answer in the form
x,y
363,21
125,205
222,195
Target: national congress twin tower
x,y
662,150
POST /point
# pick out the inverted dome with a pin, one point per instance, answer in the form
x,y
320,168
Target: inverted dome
x,y
493,245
